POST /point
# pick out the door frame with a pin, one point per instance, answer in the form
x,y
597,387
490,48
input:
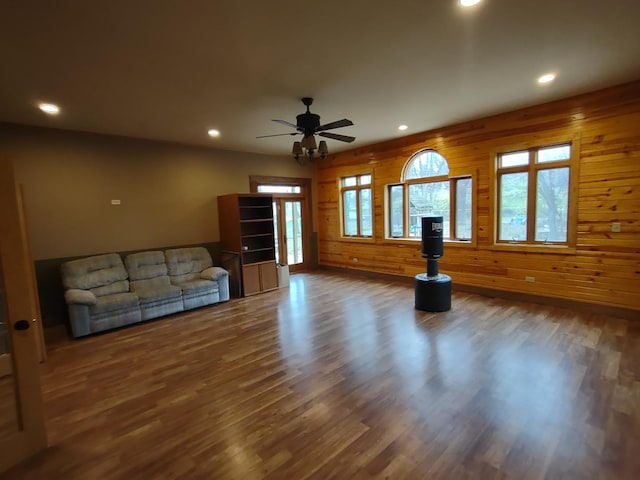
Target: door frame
x,y
21,304
307,220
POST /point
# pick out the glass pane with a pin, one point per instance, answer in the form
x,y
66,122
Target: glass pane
x,y
349,181
513,206
554,154
275,230
552,203
365,179
278,189
463,208
366,228
396,210
293,220
350,212
427,164
514,159
425,200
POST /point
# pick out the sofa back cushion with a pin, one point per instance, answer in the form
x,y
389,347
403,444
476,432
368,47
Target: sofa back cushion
x,y
102,274
185,264
147,270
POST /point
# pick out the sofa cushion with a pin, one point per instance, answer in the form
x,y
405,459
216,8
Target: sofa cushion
x,y
95,272
157,283
145,265
165,293
185,264
148,271
110,303
194,287
117,287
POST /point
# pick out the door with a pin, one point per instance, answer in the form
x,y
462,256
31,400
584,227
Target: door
x,y
22,431
291,218
289,233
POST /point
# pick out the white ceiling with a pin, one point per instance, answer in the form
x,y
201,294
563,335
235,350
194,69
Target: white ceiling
x,y
170,69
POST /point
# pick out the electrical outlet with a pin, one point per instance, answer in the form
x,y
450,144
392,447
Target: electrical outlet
x,y
616,227
530,279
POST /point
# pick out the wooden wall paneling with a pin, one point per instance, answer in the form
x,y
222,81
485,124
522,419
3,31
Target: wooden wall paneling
x,y
604,268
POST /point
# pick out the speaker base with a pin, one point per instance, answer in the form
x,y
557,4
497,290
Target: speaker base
x,y
433,293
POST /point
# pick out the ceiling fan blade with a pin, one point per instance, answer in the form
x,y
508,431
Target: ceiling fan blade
x,y
278,134
335,136
337,124
288,124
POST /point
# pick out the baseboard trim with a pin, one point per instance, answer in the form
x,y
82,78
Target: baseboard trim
x,y
583,307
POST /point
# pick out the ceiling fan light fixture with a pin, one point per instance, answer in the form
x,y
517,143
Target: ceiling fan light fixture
x,y
309,142
323,150
308,125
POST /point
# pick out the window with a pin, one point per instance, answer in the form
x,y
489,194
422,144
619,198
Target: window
x,y
357,208
427,190
279,188
533,195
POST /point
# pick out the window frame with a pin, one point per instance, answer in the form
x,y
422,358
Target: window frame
x,y
357,188
404,185
532,168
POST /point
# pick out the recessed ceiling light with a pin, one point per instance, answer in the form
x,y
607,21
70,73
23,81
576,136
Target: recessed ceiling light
x,y
213,133
403,127
547,77
469,3
49,108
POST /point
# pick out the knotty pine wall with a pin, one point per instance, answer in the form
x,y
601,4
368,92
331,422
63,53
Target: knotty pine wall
x,y
604,267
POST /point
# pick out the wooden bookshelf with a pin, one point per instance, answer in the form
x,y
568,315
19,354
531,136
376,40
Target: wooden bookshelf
x,y
246,230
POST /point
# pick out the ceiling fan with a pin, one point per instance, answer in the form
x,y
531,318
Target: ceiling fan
x,y
308,124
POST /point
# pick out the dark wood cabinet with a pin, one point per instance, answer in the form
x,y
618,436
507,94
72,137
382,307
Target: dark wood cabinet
x,y
246,230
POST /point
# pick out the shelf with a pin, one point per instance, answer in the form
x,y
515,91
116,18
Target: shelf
x,y
249,201
256,213
255,229
258,235
258,256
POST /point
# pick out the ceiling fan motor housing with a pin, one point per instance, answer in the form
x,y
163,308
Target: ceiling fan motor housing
x,y
307,123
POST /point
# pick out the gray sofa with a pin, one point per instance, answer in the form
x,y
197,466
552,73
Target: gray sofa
x,y
103,292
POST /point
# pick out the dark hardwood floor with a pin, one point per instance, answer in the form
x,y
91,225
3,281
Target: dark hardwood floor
x,y
339,377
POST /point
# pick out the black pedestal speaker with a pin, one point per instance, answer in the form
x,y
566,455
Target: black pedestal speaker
x,y
432,289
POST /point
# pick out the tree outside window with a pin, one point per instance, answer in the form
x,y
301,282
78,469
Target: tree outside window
x,y
533,195
426,190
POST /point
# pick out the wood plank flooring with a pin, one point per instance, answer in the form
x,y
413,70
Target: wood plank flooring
x,y
339,377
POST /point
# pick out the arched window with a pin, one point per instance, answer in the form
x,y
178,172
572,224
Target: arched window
x,y
427,190
424,164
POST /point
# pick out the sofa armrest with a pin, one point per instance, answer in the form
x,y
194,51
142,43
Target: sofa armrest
x,y
214,273
83,297
221,276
